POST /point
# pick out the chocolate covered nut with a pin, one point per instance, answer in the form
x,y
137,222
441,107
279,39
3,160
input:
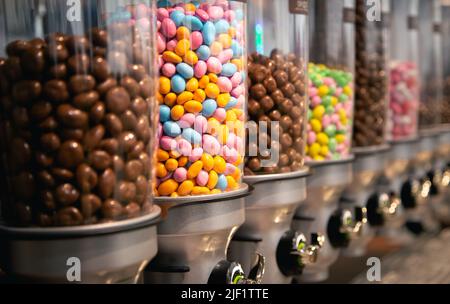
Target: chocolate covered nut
x,y
258,91
106,183
99,37
23,214
136,150
56,90
90,204
85,101
267,103
49,124
40,110
117,100
17,48
97,112
66,194
132,210
141,189
33,61
48,200
71,117
12,69
20,151
113,124
70,154
110,145
147,86
81,83
133,169
93,137
20,117
26,91
138,72
72,134
118,62
100,69
142,129
126,141
77,44
50,142
79,64
118,165
106,85
87,178
126,192
58,71
69,216
139,106
131,85
57,52
111,209
129,120
99,160
43,160
24,185
61,174
45,179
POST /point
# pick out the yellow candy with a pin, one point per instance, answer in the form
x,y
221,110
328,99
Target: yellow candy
x,y
318,112
174,154
238,162
184,97
162,155
164,85
212,90
190,7
161,170
200,191
194,169
324,151
340,138
203,82
225,40
216,48
219,164
213,126
182,47
348,91
236,174
171,164
177,112
319,158
343,116
193,106
170,99
183,33
199,95
238,112
159,98
190,57
323,90
322,139
182,161
208,162
237,63
167,187
222,134
215,191
316,125
174,194
231,116
213,77
213,179
334,100
232,31
192,85
185,188
231,183
170,56
314,150
222,99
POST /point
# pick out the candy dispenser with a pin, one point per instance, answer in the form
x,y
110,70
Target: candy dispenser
x,y
78,121
371,104
329,132
277,84
202,102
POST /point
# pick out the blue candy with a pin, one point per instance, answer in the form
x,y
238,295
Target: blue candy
x,y
177,17
222,183
164,113
178,84
203,52
185,70
237,49
163,3
231,104
171,129
239,14
228,69
192,136
209,33
222,26
192,23
209,107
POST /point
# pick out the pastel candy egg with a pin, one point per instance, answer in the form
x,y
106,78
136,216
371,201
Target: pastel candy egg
x,y
196,40
162,14
164,85
178,84
231,103
222,26
183,33
184,97
220,114
215,12
199,95
193,106
200,69
168,69
223,99
208,162
194,169
185,188
225,56
180,174
164,113
185,70
209,107
213,179
177,112
214,65
202,15
202,178
230,169
203,52
211,145
209,33
168,28
171,129
167,187
170,56
228,69
182,47
190,58
192,85
177,17
216,48
184,147
229,15
160,43
222,182
196,154
236,79
187,120
192,23
167,143
200,124
212,90
224,84
160,130
238,91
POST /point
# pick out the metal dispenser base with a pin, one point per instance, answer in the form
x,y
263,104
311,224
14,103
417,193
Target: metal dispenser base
x,y
107,253
325,186
269,212
194,236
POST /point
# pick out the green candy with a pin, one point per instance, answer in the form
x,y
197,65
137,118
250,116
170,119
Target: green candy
x,y
309,115
329,110
326,101
330,130
343,98
332,144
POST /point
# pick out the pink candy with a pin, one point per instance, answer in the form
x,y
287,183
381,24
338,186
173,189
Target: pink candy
x,y
220,114
236,79
168,143
311,138
170,46
225,85
215,12
315,101
202,178
180,174
162,14
200,69
184,147
202,15
196,40
168,28
214,65
211,145
196,154
168,69
225,56
200,124
187,120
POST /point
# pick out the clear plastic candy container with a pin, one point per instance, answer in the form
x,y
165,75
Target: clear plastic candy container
x,y
331,75
277,86
202,96
446,58
78,112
